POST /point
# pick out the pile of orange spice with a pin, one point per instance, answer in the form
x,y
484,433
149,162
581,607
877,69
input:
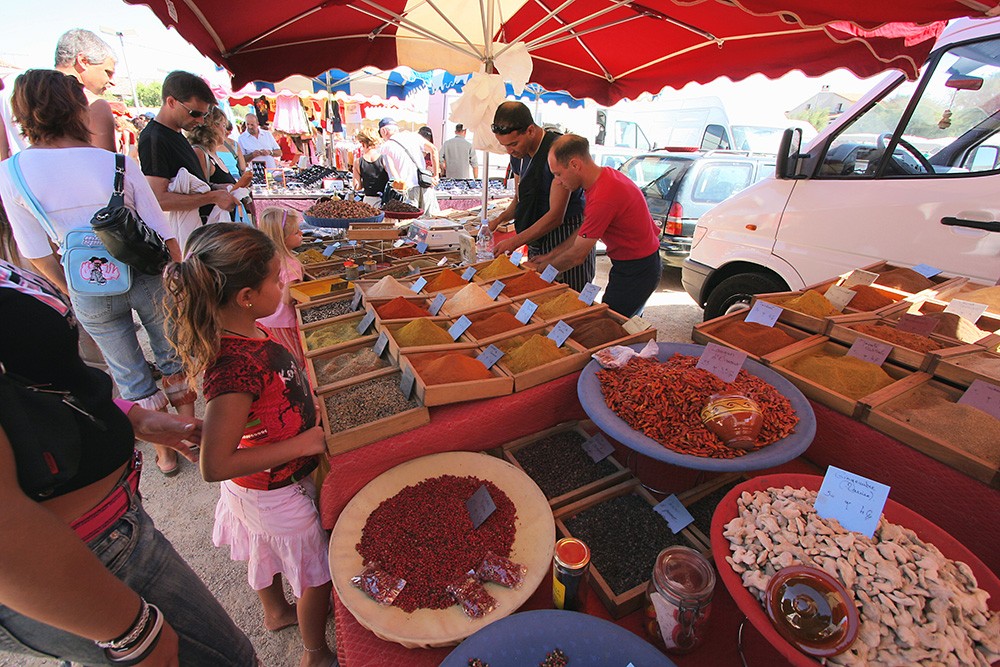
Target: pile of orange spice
x,y
494,324
523,284
420,332
401,308
753,337
449,368
447,279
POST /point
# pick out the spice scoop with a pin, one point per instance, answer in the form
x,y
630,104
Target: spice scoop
x,y
735,418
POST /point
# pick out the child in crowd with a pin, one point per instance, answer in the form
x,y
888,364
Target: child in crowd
x,y
282,226
259,437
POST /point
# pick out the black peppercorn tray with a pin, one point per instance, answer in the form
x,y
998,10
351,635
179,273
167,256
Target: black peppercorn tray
x,y
557,490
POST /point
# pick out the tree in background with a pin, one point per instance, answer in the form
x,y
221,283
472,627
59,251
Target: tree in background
x,y
818,118
149,94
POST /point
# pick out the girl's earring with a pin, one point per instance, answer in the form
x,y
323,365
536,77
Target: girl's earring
x,y
249,305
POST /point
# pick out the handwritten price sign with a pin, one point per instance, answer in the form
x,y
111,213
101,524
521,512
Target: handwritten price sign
x,y
855,501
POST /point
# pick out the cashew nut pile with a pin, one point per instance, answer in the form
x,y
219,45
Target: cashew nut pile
x,y
916,606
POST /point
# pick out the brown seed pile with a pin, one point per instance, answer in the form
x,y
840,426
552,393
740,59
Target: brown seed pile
x,y
366,402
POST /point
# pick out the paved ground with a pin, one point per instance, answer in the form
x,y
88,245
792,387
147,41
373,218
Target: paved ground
x,y
183,506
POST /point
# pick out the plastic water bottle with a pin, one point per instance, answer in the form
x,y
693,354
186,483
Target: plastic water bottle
x,y
484,243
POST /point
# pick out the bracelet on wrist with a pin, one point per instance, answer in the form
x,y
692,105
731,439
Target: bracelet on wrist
x,y
130,636
140,651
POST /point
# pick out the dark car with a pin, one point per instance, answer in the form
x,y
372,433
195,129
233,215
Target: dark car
x,y
681,185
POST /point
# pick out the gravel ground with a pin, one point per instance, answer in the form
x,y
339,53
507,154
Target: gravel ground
x,y
183,507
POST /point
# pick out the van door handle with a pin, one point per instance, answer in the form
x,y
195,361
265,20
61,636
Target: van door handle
x,y
993,226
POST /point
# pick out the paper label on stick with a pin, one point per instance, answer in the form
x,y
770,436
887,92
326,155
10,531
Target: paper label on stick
x,y
494,291
926,270
764,313
381,344
917,324
352,242
722,362
598,447
366,322
855,501
490,356
418,284
480,506
330,249
399,243
406,381
469,273
589,293
444,260
526,310
356,301
421,247
550,273
677,516
968,309
636,324
983,396
459,327
436,304
516,257
560,332
871,350
859,277
839,296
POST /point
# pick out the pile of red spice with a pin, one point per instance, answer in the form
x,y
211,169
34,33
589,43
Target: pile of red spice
x,y
449,367
423,534
529,282
664,401
497,323
753,337
401,308
444,280
867,298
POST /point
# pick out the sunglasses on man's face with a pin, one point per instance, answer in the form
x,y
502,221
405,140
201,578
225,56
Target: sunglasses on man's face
x,y
194,113
505,129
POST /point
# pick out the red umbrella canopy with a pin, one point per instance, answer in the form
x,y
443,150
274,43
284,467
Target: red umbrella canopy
x,y
603,49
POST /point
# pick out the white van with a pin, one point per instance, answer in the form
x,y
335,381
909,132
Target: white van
x,y
910,174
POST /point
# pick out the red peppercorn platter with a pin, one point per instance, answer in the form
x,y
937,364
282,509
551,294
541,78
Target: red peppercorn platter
x,y
592,399
418,533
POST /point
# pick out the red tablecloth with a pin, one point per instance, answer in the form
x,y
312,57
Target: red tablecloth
x,y
966,508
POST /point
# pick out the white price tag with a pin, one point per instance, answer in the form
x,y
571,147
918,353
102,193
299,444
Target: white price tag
x,y
859,277
839,296
490,356
444,260
436,304
480,506
677,516
926,270
516,257
983,396
871,350
918,324
421,247
764,313
560,332
381,344
366,322
469,274
459,327
589,293
636,324
418,284
598,447
494,291
550,273
399,243
722,362
855,501
406,382
968,309
526,310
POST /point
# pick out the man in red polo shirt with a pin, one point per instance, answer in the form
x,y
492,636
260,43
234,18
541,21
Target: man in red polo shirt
x,y
615,213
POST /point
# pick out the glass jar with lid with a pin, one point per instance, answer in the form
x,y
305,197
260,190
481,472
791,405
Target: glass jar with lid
x,y
679,599
570,569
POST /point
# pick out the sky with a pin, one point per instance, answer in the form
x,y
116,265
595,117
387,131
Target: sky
x,y
152,50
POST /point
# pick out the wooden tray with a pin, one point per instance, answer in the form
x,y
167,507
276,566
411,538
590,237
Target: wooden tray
x,y
364,434
601,311
489,281
448,309
500,384
586,428
300,308
942,284
852,408
356,316
319,289
705,332
841,331
987,322
951,365
312,361
624,603
463,342
545,295
488,312
550,371
416,299
878,417
965,288
425,628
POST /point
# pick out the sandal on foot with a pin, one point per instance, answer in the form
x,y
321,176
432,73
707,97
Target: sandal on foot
x,y
169,472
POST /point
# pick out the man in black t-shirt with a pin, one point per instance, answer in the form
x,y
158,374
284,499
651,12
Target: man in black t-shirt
x,y
163,150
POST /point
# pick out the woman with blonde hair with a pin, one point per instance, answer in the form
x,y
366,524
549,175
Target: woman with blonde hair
x,y
282,226
206,139
371,170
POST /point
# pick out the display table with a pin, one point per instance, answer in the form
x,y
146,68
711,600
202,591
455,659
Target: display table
x,y
964,507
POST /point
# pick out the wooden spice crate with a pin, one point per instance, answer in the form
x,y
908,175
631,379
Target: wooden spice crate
x,y
878,417
506,307
704,333
780,360
942,284
842,332
500,384
416,299
601,311
585,428
965,288
303,307
463,342
553,287
543,296
545,372
987,322
368,282
624,603
355,317
510,273
449,310
365,434
953,365
313,362
793,318
368,232
319,289
331,269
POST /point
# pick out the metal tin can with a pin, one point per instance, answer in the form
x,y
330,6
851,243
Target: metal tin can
x,y
679,599
570,567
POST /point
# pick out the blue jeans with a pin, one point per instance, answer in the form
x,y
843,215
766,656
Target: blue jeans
x,y
138,554
108,319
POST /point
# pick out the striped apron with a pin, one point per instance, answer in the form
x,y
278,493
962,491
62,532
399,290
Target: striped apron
x,y
579,275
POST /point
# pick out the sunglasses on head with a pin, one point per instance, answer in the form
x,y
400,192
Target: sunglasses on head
x,y
193,112
505,129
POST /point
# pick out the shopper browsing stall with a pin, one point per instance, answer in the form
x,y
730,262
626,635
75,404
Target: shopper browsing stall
x,y
544,213
259,145
615,213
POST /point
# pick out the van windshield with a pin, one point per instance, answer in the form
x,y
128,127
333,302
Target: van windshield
x,y
653,172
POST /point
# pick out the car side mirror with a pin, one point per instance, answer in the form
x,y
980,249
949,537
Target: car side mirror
x,y
788,154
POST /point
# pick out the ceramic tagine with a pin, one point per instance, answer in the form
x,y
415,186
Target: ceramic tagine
x,y
735,418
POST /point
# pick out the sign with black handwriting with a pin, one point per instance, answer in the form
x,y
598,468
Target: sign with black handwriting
x,y
459,327
855,501
560,332
598,447
436,304
490,356
722,362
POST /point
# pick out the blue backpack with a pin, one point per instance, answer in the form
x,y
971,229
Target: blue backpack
x,y
89,268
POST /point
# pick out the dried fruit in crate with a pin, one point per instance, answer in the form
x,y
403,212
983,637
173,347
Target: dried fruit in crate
x,y
340,209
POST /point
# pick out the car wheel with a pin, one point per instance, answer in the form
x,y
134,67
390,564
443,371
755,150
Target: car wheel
x,y
734,293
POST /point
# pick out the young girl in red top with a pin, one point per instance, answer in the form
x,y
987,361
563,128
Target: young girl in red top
x,y
259,437
282,227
